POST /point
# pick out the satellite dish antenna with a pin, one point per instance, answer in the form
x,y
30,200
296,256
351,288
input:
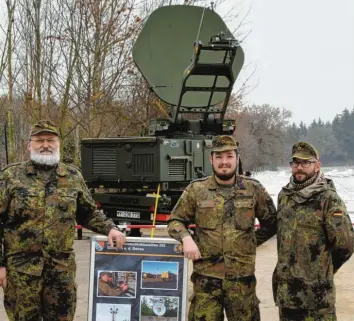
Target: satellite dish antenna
x,y
189,58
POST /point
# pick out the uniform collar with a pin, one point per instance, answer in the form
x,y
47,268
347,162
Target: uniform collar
x,y
60,169
30,169
213,185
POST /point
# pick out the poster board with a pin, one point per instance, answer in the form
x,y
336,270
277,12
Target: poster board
x,y
145,281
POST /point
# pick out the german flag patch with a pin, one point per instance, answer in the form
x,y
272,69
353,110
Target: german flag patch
x,y
338,213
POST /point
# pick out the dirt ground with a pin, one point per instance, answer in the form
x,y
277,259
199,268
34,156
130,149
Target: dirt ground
x,y
266,259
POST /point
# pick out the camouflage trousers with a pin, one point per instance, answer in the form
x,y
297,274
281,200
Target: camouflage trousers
x,y
307,315
50,297
212,296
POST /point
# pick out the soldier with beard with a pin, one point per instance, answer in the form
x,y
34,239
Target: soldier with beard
x,y
223,249
315,238
40,200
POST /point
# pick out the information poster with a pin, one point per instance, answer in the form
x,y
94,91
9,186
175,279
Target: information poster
x,y
145,281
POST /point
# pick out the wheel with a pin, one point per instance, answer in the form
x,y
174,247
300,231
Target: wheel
x,y
79,233
135,232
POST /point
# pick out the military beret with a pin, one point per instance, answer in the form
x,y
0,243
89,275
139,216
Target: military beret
x,y
303,150
44,126
223,143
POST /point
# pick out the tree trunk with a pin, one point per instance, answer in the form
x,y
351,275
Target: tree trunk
x,y
10,122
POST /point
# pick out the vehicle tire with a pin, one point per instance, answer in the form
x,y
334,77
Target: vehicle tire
x,y
135,232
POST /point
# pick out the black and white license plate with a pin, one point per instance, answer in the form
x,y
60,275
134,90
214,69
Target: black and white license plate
x,y
128,214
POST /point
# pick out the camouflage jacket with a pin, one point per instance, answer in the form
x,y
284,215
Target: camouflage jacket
x,y
227,240
39,217
314,238
108,289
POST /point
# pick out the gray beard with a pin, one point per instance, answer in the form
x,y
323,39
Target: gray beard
x,y
42,159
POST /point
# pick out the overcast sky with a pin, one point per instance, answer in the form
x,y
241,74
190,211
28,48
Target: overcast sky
x,y
303,52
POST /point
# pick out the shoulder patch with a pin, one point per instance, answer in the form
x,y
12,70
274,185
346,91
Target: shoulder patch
x,y
71,166
11,165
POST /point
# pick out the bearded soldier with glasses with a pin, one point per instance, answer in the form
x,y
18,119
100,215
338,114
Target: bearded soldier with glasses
x,y
314,239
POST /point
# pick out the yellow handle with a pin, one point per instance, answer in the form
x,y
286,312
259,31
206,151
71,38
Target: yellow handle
x,y
155,210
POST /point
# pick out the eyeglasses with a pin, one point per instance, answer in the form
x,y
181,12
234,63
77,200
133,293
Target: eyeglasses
x,y
50,141
304,163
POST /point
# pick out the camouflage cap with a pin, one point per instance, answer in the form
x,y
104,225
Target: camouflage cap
x,y
303,150
44,126
223,143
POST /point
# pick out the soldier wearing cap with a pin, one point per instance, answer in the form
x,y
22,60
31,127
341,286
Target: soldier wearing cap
x,y
223,249
315,238
40,200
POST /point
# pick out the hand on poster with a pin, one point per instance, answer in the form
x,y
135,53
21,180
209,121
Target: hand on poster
x,y
118,237
3,277
190,249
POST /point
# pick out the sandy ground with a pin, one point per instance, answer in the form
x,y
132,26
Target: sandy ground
x,y
266,259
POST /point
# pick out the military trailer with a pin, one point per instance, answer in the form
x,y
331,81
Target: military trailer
x,y
190,60
168,276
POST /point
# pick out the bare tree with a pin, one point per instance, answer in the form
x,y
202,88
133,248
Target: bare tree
x,y
260,130
71,61
10,5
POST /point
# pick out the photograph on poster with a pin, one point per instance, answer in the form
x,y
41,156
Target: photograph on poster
x,y
113,312
159,308
159,275
120,284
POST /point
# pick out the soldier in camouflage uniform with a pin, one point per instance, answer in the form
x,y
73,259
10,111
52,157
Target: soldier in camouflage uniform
x,y
315,238
106,287
223,207
40,200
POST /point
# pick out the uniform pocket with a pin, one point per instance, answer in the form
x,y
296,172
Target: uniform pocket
x,y
68,192
244,213
311,259
67,202
26,202
207,215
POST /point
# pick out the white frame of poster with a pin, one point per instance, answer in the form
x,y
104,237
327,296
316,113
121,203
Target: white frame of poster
x,y
93,271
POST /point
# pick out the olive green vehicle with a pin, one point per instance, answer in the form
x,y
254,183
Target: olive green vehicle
x,y
190,60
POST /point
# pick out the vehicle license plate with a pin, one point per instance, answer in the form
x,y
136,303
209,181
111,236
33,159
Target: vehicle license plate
x,y
128,214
